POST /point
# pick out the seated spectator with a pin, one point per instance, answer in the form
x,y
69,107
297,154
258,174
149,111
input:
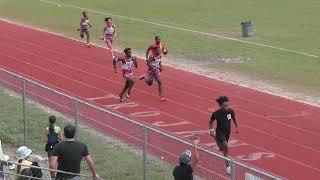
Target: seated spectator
x,y
52,136
68,155
187,163
23,153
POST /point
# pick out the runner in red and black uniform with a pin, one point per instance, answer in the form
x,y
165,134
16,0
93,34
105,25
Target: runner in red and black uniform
x,y
127,62
223,115
154,69
157,44
84,27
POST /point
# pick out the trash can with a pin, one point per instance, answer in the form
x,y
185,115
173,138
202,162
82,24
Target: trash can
x,y
247,28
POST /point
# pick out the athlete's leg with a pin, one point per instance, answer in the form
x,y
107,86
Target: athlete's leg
x,y
147,78
81,33
159,82
125,88
88,37
109,44
130,87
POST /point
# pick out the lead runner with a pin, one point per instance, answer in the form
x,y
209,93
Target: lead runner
x,y
223,115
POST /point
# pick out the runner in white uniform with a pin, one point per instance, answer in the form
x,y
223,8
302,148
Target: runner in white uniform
x,y
127,71
154,69
109,34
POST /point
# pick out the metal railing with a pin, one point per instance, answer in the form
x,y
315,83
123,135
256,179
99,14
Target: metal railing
x,y
148,142
6,173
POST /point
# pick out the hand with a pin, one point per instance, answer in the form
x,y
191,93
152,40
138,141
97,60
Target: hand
x,y
165,52
212,132
102,38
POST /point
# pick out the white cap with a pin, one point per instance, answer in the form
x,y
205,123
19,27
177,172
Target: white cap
x,y
23,152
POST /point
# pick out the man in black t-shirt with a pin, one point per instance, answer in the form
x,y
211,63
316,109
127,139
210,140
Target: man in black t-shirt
x,y
68,154
224,115
187,163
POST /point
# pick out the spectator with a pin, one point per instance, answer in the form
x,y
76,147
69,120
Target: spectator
x,y
68,154
23,153
187,163
52,136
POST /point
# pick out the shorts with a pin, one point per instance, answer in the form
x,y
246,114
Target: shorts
x,y
50,152
127,76
108,40
222,136
83,30
154,75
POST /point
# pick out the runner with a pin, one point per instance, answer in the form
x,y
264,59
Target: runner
x,y
157,44
224,115
84,27
127,62
109,34
154,69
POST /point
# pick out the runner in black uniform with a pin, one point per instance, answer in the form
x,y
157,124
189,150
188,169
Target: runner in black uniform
x,y
224,115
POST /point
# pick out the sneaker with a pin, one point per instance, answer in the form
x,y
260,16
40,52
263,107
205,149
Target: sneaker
x,y
88,45
228,170
163,99
128,95
121,99
142,76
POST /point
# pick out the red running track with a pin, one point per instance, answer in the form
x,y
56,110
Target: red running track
x,y
276,134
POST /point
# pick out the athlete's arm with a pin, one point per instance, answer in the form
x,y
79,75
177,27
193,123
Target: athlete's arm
x,y
234,120
114,32
103,33
160,66
89,25
147,52
115,60
212,119
195,158
164,51
135,62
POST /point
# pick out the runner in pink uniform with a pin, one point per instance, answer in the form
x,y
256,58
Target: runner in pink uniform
x,y
109,34
84,27
127,71
154,69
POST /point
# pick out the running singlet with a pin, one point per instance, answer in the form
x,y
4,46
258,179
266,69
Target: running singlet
x,y
108,32
155,64
127,65
84,23
155,46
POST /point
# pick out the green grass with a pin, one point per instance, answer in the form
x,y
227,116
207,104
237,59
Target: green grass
x,y
290,24
113,158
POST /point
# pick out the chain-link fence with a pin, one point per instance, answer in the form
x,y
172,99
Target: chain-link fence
x,y
8,172
122,147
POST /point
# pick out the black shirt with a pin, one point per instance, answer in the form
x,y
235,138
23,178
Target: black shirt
x,y
70,154
183,172
223,118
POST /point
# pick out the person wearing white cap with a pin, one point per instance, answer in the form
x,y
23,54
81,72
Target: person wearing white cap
x,y
23,153
188,163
